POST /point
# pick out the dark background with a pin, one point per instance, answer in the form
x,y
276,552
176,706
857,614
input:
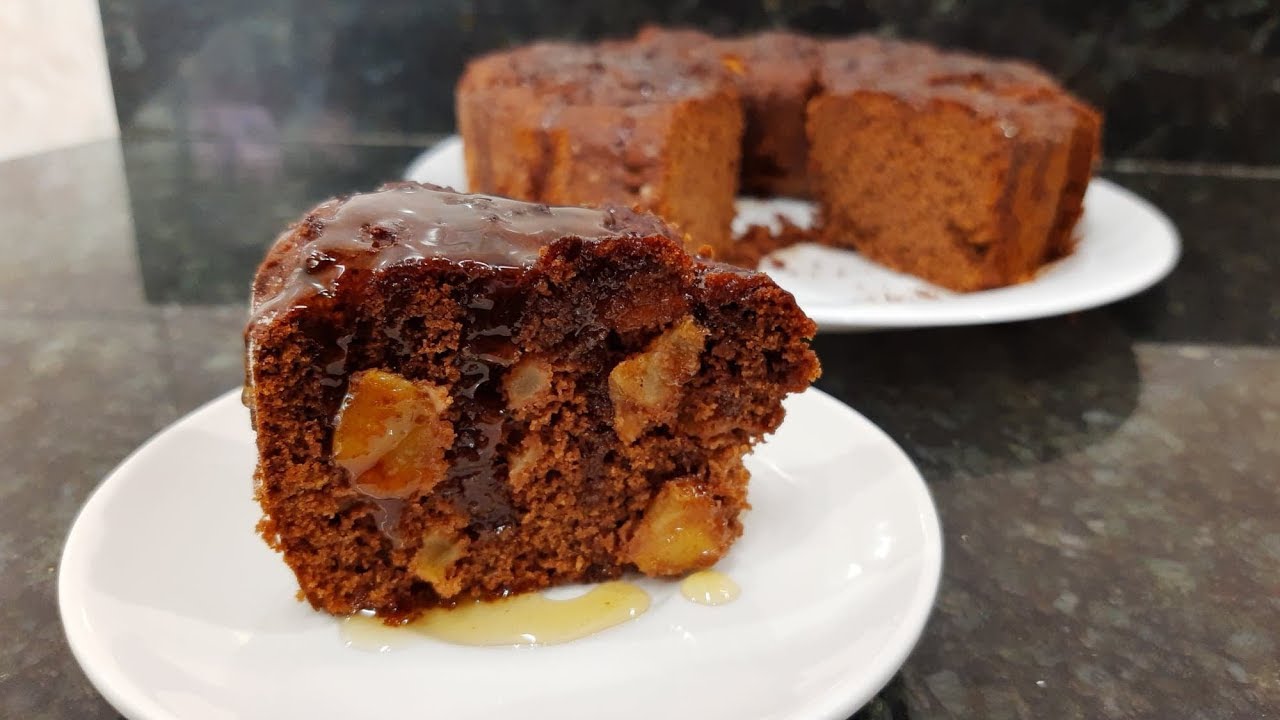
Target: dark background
x,y
1179,80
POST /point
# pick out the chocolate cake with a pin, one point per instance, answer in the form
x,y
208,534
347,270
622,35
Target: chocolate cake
x,y
460,397
966,171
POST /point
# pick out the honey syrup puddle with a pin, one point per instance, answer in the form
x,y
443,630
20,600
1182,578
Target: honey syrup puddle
x,y
530,619
709,587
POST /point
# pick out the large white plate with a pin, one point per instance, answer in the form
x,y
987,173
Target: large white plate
x,y
1125,246
176,609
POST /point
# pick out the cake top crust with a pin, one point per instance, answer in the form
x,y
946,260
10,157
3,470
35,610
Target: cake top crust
x,y
918,71
408,222
761,63
611,73
1009,90
866,61
773,46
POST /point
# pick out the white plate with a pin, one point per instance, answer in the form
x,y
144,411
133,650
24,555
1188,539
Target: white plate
x,y
1125,246
176,609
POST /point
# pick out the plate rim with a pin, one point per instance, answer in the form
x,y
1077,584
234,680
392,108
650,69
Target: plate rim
x,y
106,678
121,691
889,315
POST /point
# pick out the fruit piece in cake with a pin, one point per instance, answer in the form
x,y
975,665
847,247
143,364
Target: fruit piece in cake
x,y
683,529
389,434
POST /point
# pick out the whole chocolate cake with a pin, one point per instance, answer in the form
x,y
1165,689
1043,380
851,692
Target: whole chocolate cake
x,y
969,172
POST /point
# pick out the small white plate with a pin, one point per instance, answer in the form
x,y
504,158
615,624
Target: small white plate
x,y
176,609
1125,246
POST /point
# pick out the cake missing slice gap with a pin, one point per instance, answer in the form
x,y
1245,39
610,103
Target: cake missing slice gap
x,y
460,397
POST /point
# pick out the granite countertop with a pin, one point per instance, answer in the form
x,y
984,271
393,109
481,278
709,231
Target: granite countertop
x,y
1108,481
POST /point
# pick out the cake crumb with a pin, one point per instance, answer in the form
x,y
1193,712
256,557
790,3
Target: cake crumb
x,y
757,241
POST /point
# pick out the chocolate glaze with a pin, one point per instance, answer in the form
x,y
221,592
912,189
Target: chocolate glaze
x,y
478,479
410,222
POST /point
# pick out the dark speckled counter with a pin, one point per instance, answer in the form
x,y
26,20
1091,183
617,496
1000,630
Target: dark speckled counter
x,y
1108,482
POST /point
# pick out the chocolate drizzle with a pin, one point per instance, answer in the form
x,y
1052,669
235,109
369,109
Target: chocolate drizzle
x,y
495,304
411,222
386,513
335,367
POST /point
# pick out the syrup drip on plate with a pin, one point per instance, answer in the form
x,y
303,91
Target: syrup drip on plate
x,y
531,619
709,587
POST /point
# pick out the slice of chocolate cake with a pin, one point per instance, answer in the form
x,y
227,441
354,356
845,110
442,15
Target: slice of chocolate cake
x,y
461,396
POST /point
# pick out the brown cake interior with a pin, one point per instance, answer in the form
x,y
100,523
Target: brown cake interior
x,y
572,397
946,166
